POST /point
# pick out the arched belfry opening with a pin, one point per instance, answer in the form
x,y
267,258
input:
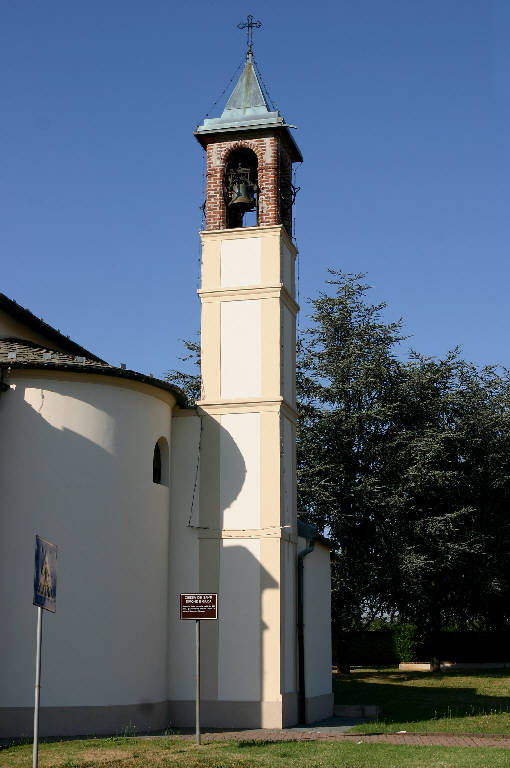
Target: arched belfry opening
x,y
240,186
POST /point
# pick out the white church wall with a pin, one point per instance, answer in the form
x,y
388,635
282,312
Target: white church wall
x,y
240,262
183,552
317,620
240,444
76,468
239,662
288,355
289,601
289,470
287,268
241,348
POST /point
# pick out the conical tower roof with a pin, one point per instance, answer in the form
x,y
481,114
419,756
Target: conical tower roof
x,y
246,110
247,96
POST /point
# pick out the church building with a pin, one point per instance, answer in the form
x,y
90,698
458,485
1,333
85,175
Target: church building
x,y
148,496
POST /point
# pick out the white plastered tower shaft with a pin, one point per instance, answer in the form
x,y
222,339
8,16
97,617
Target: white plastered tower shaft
x,y
248,482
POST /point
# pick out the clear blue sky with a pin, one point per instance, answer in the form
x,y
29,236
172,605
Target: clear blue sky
x,y
403,111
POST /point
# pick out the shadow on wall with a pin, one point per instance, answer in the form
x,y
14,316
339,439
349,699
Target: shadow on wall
x,y
238,672
107,643
239,667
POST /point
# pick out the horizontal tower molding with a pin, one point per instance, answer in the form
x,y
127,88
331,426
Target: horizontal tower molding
x,y
239,232
245,293
219,407
283,532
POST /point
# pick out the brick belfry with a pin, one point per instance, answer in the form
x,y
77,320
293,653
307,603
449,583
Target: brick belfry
x,y
247,510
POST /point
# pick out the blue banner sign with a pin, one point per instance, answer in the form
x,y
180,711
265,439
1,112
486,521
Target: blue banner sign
x,y
45,575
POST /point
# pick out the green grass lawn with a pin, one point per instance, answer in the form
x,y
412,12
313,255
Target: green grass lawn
x,y
455,702
474,701
168,753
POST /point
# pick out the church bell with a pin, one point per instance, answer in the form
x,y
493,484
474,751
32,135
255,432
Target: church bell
x,y
243,190
242,193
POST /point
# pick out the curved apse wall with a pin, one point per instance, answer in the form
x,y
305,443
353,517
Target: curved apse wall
x,y
76,468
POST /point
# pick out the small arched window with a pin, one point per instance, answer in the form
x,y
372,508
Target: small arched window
x,y
160,462
156,465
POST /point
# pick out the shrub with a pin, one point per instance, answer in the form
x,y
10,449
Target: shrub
x,y
405,641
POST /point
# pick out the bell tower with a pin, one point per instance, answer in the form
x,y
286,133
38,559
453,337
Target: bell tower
x,y
247,526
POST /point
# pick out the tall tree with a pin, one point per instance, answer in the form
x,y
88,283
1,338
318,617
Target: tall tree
x,y
450,493
347,377
405,464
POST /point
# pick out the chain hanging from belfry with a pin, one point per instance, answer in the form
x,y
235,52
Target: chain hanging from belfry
x,y
288,198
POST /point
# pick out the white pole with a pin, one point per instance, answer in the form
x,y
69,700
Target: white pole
x,y
37,687
197,680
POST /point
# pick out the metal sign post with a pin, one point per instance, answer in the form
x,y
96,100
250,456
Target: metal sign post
x,y
45,596
35,752
198,606
197,680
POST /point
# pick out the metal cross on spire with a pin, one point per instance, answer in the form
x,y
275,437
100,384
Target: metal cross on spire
x,y
249,25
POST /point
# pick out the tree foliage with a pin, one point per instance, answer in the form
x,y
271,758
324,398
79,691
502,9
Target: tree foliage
x,y
406,466
190,383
